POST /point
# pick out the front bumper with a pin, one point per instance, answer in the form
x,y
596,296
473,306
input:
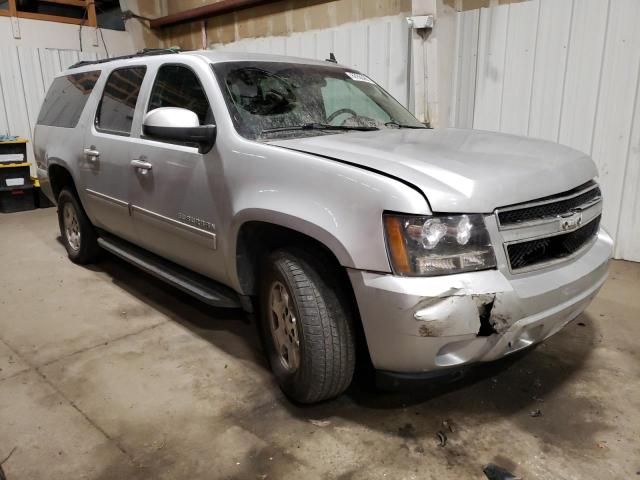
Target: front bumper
x,y
417,325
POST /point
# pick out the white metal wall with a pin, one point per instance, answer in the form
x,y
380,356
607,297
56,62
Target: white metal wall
x,y
566,71
25,76
377,47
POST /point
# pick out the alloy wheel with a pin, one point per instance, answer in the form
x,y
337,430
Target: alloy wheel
x,y
284,326
71,226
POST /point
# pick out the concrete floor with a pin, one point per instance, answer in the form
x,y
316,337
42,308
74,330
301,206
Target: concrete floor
x,y
105,373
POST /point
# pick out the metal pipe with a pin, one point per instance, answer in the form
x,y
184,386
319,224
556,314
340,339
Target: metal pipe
x,y
217,8
203,35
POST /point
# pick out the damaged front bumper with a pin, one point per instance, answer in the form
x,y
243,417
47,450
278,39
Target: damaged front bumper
x,y
418,325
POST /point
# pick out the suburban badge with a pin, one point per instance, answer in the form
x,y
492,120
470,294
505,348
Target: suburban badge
x,y
196,222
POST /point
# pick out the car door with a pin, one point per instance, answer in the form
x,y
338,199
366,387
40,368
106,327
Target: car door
x,y
105,167
174,187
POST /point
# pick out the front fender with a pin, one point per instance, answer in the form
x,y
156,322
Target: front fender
x,y
337,204
299,224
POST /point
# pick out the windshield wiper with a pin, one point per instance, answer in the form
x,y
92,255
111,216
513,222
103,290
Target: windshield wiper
x,y
402,125
319,126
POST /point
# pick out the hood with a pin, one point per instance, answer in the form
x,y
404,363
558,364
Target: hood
x,y
459,170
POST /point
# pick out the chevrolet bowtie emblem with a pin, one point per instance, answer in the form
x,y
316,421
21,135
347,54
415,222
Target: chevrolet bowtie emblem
x,y
571,220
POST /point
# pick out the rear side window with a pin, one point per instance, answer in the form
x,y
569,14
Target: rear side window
x,y
66,99
118,103
178,86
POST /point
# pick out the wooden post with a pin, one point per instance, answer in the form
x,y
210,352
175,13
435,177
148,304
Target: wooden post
x,y
92,19
10,11
15,24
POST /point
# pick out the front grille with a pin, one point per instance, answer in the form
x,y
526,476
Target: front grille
x,y
542,250
547,210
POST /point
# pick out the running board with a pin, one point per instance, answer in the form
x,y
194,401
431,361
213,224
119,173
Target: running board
x,y
196,285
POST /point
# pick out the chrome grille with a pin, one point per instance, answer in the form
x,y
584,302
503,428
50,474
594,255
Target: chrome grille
x,y
525,254
550,230
546,210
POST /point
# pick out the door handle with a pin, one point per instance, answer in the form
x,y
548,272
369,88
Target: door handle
x,y
91,153
141,165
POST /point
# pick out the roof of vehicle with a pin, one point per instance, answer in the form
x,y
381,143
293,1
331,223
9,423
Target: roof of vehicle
x,y
217,56
211,56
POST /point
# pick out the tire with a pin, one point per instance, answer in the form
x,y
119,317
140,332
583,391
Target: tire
x,y
322,367
79,237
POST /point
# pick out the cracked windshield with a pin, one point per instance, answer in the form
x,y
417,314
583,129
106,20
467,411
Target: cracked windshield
x,y
274,100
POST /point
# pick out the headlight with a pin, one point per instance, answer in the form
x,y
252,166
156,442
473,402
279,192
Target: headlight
x,y
438,245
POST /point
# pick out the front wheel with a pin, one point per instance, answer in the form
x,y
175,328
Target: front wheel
x,y
78,235
307,327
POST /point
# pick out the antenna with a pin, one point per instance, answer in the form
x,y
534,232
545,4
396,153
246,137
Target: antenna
x,y
332,58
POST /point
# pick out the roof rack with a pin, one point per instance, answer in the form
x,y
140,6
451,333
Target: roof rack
x,y
145,52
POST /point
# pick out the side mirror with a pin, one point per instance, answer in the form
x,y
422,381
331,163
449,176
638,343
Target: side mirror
x,y
181,124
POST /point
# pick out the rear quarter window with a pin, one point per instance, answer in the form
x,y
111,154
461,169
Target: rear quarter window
x,y
66,99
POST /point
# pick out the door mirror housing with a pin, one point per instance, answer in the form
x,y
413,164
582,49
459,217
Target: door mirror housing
x,y
181,124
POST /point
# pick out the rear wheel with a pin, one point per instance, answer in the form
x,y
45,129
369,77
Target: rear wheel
x,y
306,326
78,235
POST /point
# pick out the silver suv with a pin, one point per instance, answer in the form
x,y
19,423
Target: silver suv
x,y
303,190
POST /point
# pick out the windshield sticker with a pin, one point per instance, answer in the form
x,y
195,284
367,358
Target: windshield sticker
x,y
358,77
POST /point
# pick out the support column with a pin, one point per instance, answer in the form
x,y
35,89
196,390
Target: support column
x,y
432,61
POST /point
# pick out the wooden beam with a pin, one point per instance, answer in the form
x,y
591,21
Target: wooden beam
x,y
50,18
72,3
206,11
90,5
91,20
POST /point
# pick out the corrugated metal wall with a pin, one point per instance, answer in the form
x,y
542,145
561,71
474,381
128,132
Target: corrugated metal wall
x,y
377,47
567,71
25,76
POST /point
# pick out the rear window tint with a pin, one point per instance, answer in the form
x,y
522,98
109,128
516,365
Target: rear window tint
x,y
66,99
119,98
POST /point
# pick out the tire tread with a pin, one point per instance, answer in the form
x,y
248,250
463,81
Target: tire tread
x,y
326,325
